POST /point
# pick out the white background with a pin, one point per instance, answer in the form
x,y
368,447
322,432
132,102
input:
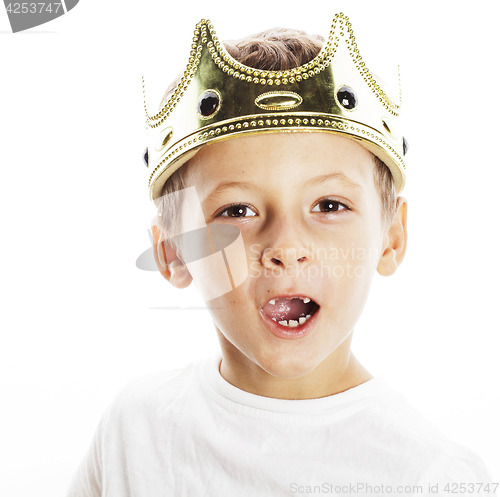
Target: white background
x,y
78,318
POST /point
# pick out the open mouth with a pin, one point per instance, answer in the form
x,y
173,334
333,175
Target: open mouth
x,y
290,311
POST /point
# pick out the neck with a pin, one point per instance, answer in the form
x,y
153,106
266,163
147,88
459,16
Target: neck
x,y
339,372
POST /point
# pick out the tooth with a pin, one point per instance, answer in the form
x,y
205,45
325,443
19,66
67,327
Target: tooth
x,y
308,316
302,320
272,302
274,319
306,300
292,323
283,323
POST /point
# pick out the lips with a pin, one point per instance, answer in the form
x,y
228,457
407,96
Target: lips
x,y
290,310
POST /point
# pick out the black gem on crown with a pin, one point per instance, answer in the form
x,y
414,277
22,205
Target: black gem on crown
x,y
208,103
347,97
145,157
405,145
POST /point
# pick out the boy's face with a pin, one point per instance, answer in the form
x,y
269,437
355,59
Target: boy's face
x,y
311,221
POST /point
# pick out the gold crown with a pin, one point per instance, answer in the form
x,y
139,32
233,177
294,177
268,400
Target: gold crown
x,y
218,98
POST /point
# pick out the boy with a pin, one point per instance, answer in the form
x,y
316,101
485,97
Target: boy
x,y
283,157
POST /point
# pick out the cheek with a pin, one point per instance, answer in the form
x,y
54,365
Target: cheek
x,y
234,317
350,259
347,241
235,305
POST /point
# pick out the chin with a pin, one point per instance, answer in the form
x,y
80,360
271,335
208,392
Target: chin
x,y
288,366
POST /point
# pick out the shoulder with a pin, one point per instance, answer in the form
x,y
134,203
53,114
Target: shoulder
x,y
465,469
420,444
153,392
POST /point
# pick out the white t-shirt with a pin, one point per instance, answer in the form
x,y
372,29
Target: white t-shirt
x,y
190,433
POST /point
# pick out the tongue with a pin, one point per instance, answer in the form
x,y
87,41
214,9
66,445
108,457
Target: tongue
x,y
285,309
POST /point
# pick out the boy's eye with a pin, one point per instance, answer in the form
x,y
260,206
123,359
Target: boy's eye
x,y
330,206
237,210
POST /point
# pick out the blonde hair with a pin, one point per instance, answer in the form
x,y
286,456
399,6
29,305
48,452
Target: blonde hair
x,y
276,49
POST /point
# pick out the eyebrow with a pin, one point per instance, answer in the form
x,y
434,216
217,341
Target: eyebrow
x,y
247,185
224,185
341,177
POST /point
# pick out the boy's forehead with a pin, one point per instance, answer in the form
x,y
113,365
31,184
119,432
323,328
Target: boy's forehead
x,y
259,161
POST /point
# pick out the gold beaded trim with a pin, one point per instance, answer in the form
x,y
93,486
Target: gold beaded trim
x,y
264,77
276,122
392,107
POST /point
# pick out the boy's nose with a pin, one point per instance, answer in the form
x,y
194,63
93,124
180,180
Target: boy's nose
x,y
285,256
286,245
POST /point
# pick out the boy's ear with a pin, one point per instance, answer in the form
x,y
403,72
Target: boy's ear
x,y
395,241
170,265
